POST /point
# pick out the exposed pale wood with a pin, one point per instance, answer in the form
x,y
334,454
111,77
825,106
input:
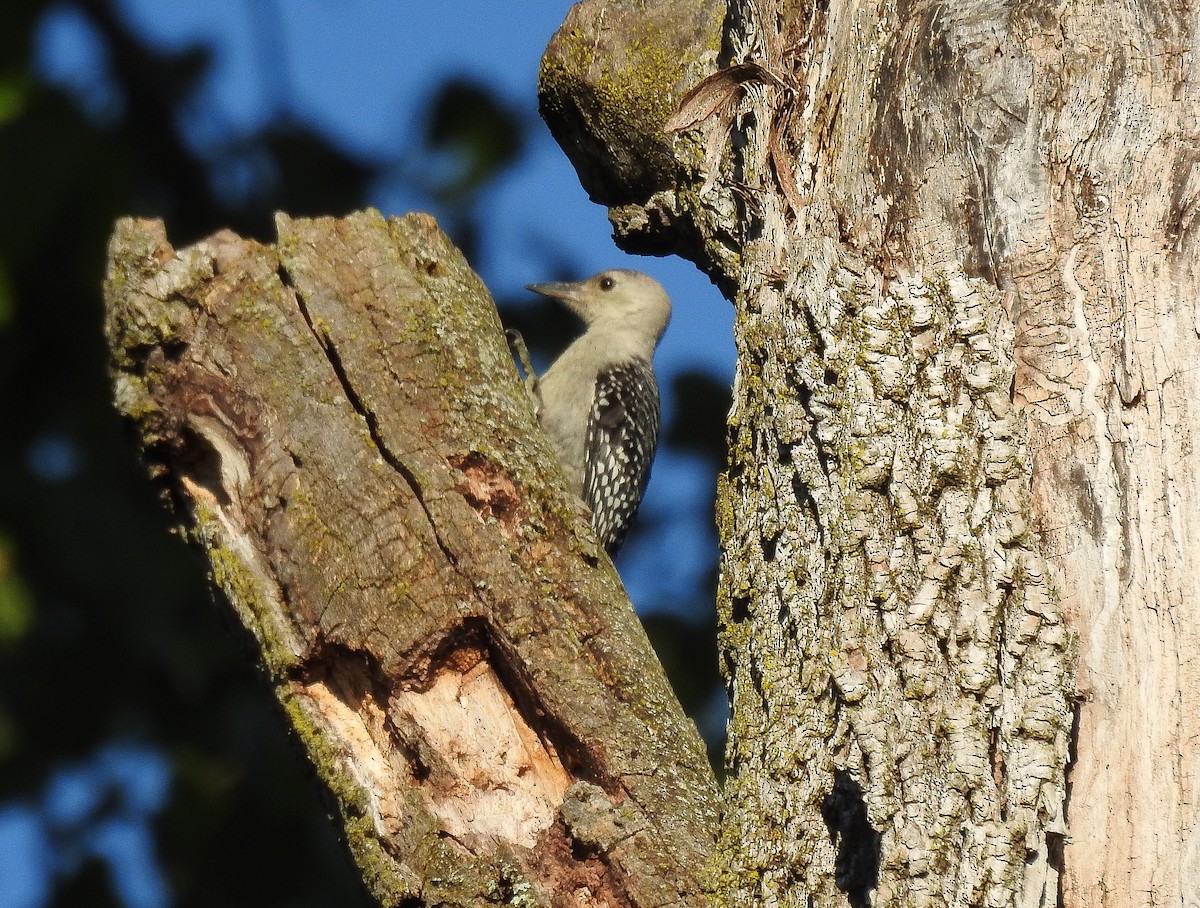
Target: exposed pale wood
x,y
962,502
337,421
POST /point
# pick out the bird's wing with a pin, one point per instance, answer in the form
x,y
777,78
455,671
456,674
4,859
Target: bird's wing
x,y
621,437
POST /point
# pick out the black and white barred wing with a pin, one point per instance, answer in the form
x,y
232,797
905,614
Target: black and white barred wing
x,y
621,437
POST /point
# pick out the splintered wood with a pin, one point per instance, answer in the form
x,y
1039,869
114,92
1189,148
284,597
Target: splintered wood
x,y
479,766
497,777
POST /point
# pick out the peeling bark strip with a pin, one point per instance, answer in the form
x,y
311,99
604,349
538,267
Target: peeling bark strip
x,y
337,422
964,486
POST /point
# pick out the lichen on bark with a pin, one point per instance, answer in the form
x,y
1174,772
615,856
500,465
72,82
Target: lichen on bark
x,y
887,617
610,80
337,422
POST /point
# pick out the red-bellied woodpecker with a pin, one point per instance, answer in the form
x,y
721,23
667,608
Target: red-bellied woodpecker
x,y
598,402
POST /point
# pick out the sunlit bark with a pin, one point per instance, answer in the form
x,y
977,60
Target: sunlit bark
x,y
958,597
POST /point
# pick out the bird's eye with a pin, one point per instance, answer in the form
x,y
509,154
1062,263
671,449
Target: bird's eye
x,y
607,283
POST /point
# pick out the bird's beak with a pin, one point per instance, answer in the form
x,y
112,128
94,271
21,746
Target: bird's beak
x,y
568,293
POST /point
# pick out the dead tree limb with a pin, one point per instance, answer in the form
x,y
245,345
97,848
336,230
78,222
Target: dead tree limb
x,y
337,422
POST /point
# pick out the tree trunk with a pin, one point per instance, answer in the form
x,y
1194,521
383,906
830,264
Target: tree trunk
x,y
338,423
957,599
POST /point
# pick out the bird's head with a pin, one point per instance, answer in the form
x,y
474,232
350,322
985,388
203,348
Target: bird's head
x,y
620,297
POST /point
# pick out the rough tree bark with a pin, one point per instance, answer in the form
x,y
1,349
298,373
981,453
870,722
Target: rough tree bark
x,y
337,422
959,599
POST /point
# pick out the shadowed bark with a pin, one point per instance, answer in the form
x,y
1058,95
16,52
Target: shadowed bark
x,y
337,422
